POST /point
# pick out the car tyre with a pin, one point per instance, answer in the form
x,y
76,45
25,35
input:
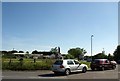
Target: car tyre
x,y
67,72
56,73
93,69
113,67
102,68
84,70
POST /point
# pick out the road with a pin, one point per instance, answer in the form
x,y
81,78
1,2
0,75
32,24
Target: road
x,y
44,74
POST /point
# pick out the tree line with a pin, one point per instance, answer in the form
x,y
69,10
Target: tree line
x,y
77,52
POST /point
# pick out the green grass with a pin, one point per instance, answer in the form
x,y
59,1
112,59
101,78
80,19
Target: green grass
x,y
87,63
28,64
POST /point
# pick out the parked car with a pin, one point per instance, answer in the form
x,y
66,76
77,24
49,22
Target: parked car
x,y
102,64
67,66
113,62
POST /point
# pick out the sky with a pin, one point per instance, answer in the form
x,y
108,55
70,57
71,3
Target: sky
x,y
30,26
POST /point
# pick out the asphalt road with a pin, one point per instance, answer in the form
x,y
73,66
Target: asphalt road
x,y
44,74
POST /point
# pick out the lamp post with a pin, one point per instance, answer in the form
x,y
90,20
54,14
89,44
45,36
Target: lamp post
x,y
91,46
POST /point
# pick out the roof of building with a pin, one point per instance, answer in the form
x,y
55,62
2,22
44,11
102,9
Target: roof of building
x,y
19,53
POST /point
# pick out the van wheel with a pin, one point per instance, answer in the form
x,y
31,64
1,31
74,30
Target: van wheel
x,y
84,70
67,72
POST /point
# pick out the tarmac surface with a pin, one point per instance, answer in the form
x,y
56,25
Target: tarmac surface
x,y
46,74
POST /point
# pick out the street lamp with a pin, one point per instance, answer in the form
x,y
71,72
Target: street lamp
x,y
91,46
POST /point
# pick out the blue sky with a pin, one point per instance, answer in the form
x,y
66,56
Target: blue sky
x,y
41,26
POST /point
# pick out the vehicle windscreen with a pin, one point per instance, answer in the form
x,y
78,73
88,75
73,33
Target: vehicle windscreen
x,y
58,62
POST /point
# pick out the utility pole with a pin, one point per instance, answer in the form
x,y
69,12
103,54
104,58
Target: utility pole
x,y
91,47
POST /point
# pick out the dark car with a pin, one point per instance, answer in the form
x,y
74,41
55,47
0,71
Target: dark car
x,y
102,64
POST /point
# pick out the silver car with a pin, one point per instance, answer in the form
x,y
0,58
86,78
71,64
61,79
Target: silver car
x,y
67,66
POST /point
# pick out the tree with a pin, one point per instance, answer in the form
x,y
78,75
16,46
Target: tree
x,y
100,56
76,52
117,53
13,51
4,52
54,51
21,51
35,52
27,55
8,54
27,52
110,57
87,57
68,56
